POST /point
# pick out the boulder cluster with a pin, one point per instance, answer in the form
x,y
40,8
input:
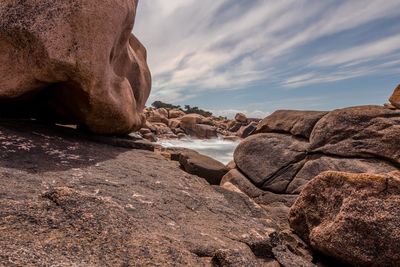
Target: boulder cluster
x,y
341,166
176,124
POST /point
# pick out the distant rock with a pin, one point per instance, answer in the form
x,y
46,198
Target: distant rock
x,y
198,126
240,117
79,68
247,130
351,217
296,122
175,113
395,98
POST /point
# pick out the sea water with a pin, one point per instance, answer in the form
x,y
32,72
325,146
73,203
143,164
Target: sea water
x,y
219,149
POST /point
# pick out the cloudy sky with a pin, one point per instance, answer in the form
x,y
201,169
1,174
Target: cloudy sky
x,y
257,56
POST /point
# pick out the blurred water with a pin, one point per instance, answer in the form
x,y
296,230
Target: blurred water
x,y
219,149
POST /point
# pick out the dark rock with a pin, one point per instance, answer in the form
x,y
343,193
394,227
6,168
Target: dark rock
x,y
150,137
240,117
246,131
351,217
203,166
236,127
270,160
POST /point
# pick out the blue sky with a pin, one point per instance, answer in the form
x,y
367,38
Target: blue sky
x,y
258,56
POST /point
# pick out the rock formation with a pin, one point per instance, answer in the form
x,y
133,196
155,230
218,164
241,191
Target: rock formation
x,y
300,145
176,124
69,201
73,62
395,98
352,217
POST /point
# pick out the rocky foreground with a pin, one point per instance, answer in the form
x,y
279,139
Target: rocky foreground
x,y
306,189
67,201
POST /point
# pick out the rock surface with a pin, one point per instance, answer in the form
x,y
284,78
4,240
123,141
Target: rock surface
x,y
364,131
296,122
356,139
203,166
269,159
70,201
62,61
395,98
352,217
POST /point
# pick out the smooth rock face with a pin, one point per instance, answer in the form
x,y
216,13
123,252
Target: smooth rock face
x,y
266,158
364,131
296,122
73,61
395,98
240,117
203,166
352,217
73,202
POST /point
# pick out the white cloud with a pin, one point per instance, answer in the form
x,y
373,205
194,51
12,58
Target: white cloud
x,y
195,46
361,53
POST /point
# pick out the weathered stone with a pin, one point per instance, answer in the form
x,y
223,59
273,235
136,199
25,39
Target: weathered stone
x,y
395,98
296,122
352,217
270,160
276,205
240,117
150,137
203,166
246,131
235,181
175,113
364,131
290,250
62,61
231,165
236,127
174,123
155,116
317,164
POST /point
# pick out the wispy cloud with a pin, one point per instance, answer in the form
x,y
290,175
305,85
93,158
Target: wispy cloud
x,y
197,46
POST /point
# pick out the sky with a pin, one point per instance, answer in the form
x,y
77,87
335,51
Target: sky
x,y
257,56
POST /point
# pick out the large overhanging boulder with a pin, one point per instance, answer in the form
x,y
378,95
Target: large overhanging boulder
x,y
73,61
